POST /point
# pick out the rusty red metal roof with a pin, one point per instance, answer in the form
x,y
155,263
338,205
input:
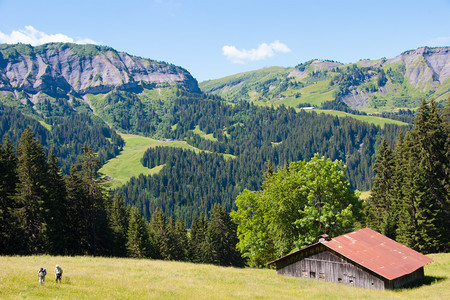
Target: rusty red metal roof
x,y
378,253
375,252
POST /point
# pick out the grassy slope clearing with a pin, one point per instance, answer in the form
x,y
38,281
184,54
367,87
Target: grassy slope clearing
x,y
119,278
128,163
379,121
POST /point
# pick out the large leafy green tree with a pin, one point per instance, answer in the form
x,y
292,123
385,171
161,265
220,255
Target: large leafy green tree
x,y
297,204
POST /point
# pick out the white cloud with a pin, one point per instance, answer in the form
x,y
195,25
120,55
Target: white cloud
x,y
439,42
263,51
32,36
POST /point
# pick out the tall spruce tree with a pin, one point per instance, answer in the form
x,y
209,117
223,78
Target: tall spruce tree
x,y
171,244
221,239
138,241
8,180
56,208
159,232
180,251
381,204
31,193
197,240
432,180
119,218
77,212
404,204
100,235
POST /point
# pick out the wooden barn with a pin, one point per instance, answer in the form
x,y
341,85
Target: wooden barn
x,y
362,258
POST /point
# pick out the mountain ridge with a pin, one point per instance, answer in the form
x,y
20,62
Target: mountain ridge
x,y
59,69
399,82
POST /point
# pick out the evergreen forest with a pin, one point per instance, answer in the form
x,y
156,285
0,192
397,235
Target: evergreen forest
x,y
44,211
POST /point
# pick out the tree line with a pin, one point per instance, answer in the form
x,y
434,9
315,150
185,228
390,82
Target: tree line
x,y
42,211
410,199
65,134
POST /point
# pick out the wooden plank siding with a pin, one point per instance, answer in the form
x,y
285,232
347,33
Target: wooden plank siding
x,y
319,263
397,283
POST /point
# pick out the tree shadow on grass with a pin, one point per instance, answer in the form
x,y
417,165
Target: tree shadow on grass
x,y
427,280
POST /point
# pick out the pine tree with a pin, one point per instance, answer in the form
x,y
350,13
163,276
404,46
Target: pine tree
x,y
99,234
404,205
8,181
56,208
119,218
197,239
170,243
221,239
159,232
31,193
77,214
381,207
138,241
432,179
181,241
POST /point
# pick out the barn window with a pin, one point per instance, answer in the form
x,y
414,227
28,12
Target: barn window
x,y
321,275
312,274
340,280
304,273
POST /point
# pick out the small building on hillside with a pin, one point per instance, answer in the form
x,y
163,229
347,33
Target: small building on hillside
x,y
362,258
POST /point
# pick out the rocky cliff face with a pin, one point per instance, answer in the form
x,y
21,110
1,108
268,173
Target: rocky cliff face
x,y
425,67
59,69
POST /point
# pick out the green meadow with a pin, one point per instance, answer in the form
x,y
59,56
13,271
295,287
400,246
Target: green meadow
x,y
120,278
128,163
378,121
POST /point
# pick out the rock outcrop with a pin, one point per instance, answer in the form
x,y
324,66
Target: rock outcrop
x,y
425,66
59,69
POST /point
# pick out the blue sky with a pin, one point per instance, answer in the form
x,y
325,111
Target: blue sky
x,y
213,39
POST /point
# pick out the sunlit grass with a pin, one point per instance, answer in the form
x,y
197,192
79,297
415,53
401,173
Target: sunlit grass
x,y
369,119
202,134
119,278
128,163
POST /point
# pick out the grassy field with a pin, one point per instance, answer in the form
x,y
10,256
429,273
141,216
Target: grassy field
x,y
114,278
128,163
369,119
203,135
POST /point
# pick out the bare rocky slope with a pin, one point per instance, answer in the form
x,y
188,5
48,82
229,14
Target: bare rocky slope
x,y
61,69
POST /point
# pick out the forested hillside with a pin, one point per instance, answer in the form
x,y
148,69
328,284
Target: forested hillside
x,y
70,95
65,135
190,183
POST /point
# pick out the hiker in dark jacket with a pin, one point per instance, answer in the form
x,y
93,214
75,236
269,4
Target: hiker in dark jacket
x,y
41,275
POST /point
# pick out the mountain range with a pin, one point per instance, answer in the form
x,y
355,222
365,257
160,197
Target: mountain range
x,y
368,85
71,94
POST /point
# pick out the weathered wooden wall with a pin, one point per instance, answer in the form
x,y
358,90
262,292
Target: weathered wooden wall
x,y
321,264
418,275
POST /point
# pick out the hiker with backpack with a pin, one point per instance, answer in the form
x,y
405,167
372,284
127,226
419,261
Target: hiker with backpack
x,y
41,275
58,273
